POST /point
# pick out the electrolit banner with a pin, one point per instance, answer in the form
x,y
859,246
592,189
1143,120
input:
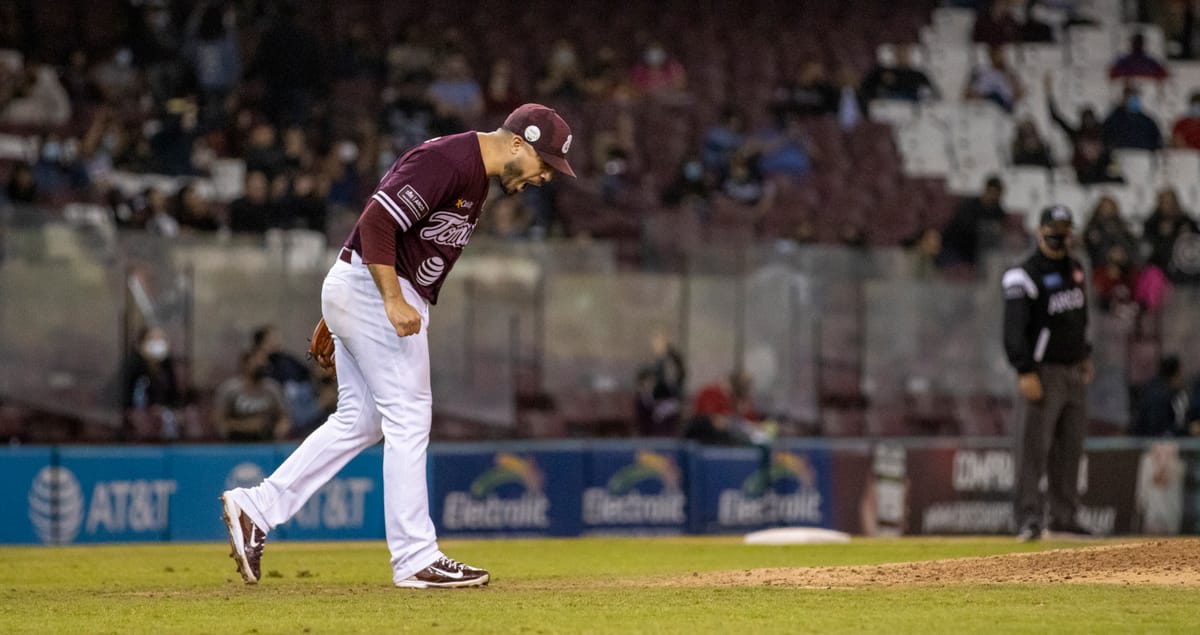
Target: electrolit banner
x,y
201,473
740,489
512,493
635,491
348,507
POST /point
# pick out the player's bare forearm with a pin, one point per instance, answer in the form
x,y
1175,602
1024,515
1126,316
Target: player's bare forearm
x,y
403,317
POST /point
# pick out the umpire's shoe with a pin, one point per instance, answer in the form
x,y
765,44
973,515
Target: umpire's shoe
x,y
245,539
445,573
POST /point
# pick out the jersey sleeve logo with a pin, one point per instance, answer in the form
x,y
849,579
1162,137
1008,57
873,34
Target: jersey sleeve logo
x,y
410,199
413,201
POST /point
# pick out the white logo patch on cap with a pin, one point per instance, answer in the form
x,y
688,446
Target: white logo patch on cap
x,y
567,144
532,133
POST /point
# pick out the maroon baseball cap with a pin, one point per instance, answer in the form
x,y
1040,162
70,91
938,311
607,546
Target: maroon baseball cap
x,y
543,129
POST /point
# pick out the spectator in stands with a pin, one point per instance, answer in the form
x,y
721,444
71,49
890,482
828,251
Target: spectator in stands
x,y
723,414
562,79
155,45
152,391
21,188
291,374
658,74
1137,63
38,99
923,249
603,77
976,220
1091,156
58,171
174,145
849,107
723,140
1028,147
1107,229
1128,126
211,47
1186,131
660,402
356,54
250,405
411,57
407,114
456,97
159,218
1162,403
1177,19
501,95
306,203
809,95
782,152
507,218
996,25
995,82
289,62
116,79
1166,224
691,188
193,212
897,80
262,152
746,184
1114,281
616,178
253,212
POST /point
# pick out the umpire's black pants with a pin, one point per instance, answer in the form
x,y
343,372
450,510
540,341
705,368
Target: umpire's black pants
x,y
1050,443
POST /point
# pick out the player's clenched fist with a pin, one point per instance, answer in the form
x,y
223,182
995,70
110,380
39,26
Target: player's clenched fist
x,y
403,317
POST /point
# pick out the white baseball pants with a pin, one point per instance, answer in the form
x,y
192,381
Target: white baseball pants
x,y
383,392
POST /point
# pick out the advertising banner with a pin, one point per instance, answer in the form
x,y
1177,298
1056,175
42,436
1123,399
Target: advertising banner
x,y
42,504
745,489
201,473
115,494
348,507
478,491
635,490
955,490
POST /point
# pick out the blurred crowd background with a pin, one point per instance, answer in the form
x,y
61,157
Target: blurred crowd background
x,y
790,216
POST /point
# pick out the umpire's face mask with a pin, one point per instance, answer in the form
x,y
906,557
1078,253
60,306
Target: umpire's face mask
x,y
1057,242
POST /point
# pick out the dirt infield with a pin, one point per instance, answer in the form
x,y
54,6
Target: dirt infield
x,y
1170,562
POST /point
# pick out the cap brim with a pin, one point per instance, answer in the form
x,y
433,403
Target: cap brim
x,y
558,163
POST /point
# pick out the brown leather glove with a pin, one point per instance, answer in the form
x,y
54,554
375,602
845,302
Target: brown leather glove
x,y
320,347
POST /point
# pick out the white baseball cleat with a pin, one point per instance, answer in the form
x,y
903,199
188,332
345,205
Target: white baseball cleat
x,y
245,539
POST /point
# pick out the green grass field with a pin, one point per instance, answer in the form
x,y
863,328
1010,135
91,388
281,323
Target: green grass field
x,y
552,586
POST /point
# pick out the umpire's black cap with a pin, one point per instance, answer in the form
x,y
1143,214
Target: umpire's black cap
x,y
1057,215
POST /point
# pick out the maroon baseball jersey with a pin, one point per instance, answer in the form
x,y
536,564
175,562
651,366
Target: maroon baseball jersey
x,y
424,211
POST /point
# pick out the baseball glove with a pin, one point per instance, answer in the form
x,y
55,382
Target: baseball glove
x,y
320,347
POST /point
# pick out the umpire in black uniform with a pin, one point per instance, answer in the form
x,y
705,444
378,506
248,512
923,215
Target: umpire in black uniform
x,y
1045,337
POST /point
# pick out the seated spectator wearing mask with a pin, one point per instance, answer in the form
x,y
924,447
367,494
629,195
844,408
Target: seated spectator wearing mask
x,y
1127,126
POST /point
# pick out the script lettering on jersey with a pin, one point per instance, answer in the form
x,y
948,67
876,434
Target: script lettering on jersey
x,y
449,229
1064,301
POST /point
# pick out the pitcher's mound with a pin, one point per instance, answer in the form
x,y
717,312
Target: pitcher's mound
x,y
1173,562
